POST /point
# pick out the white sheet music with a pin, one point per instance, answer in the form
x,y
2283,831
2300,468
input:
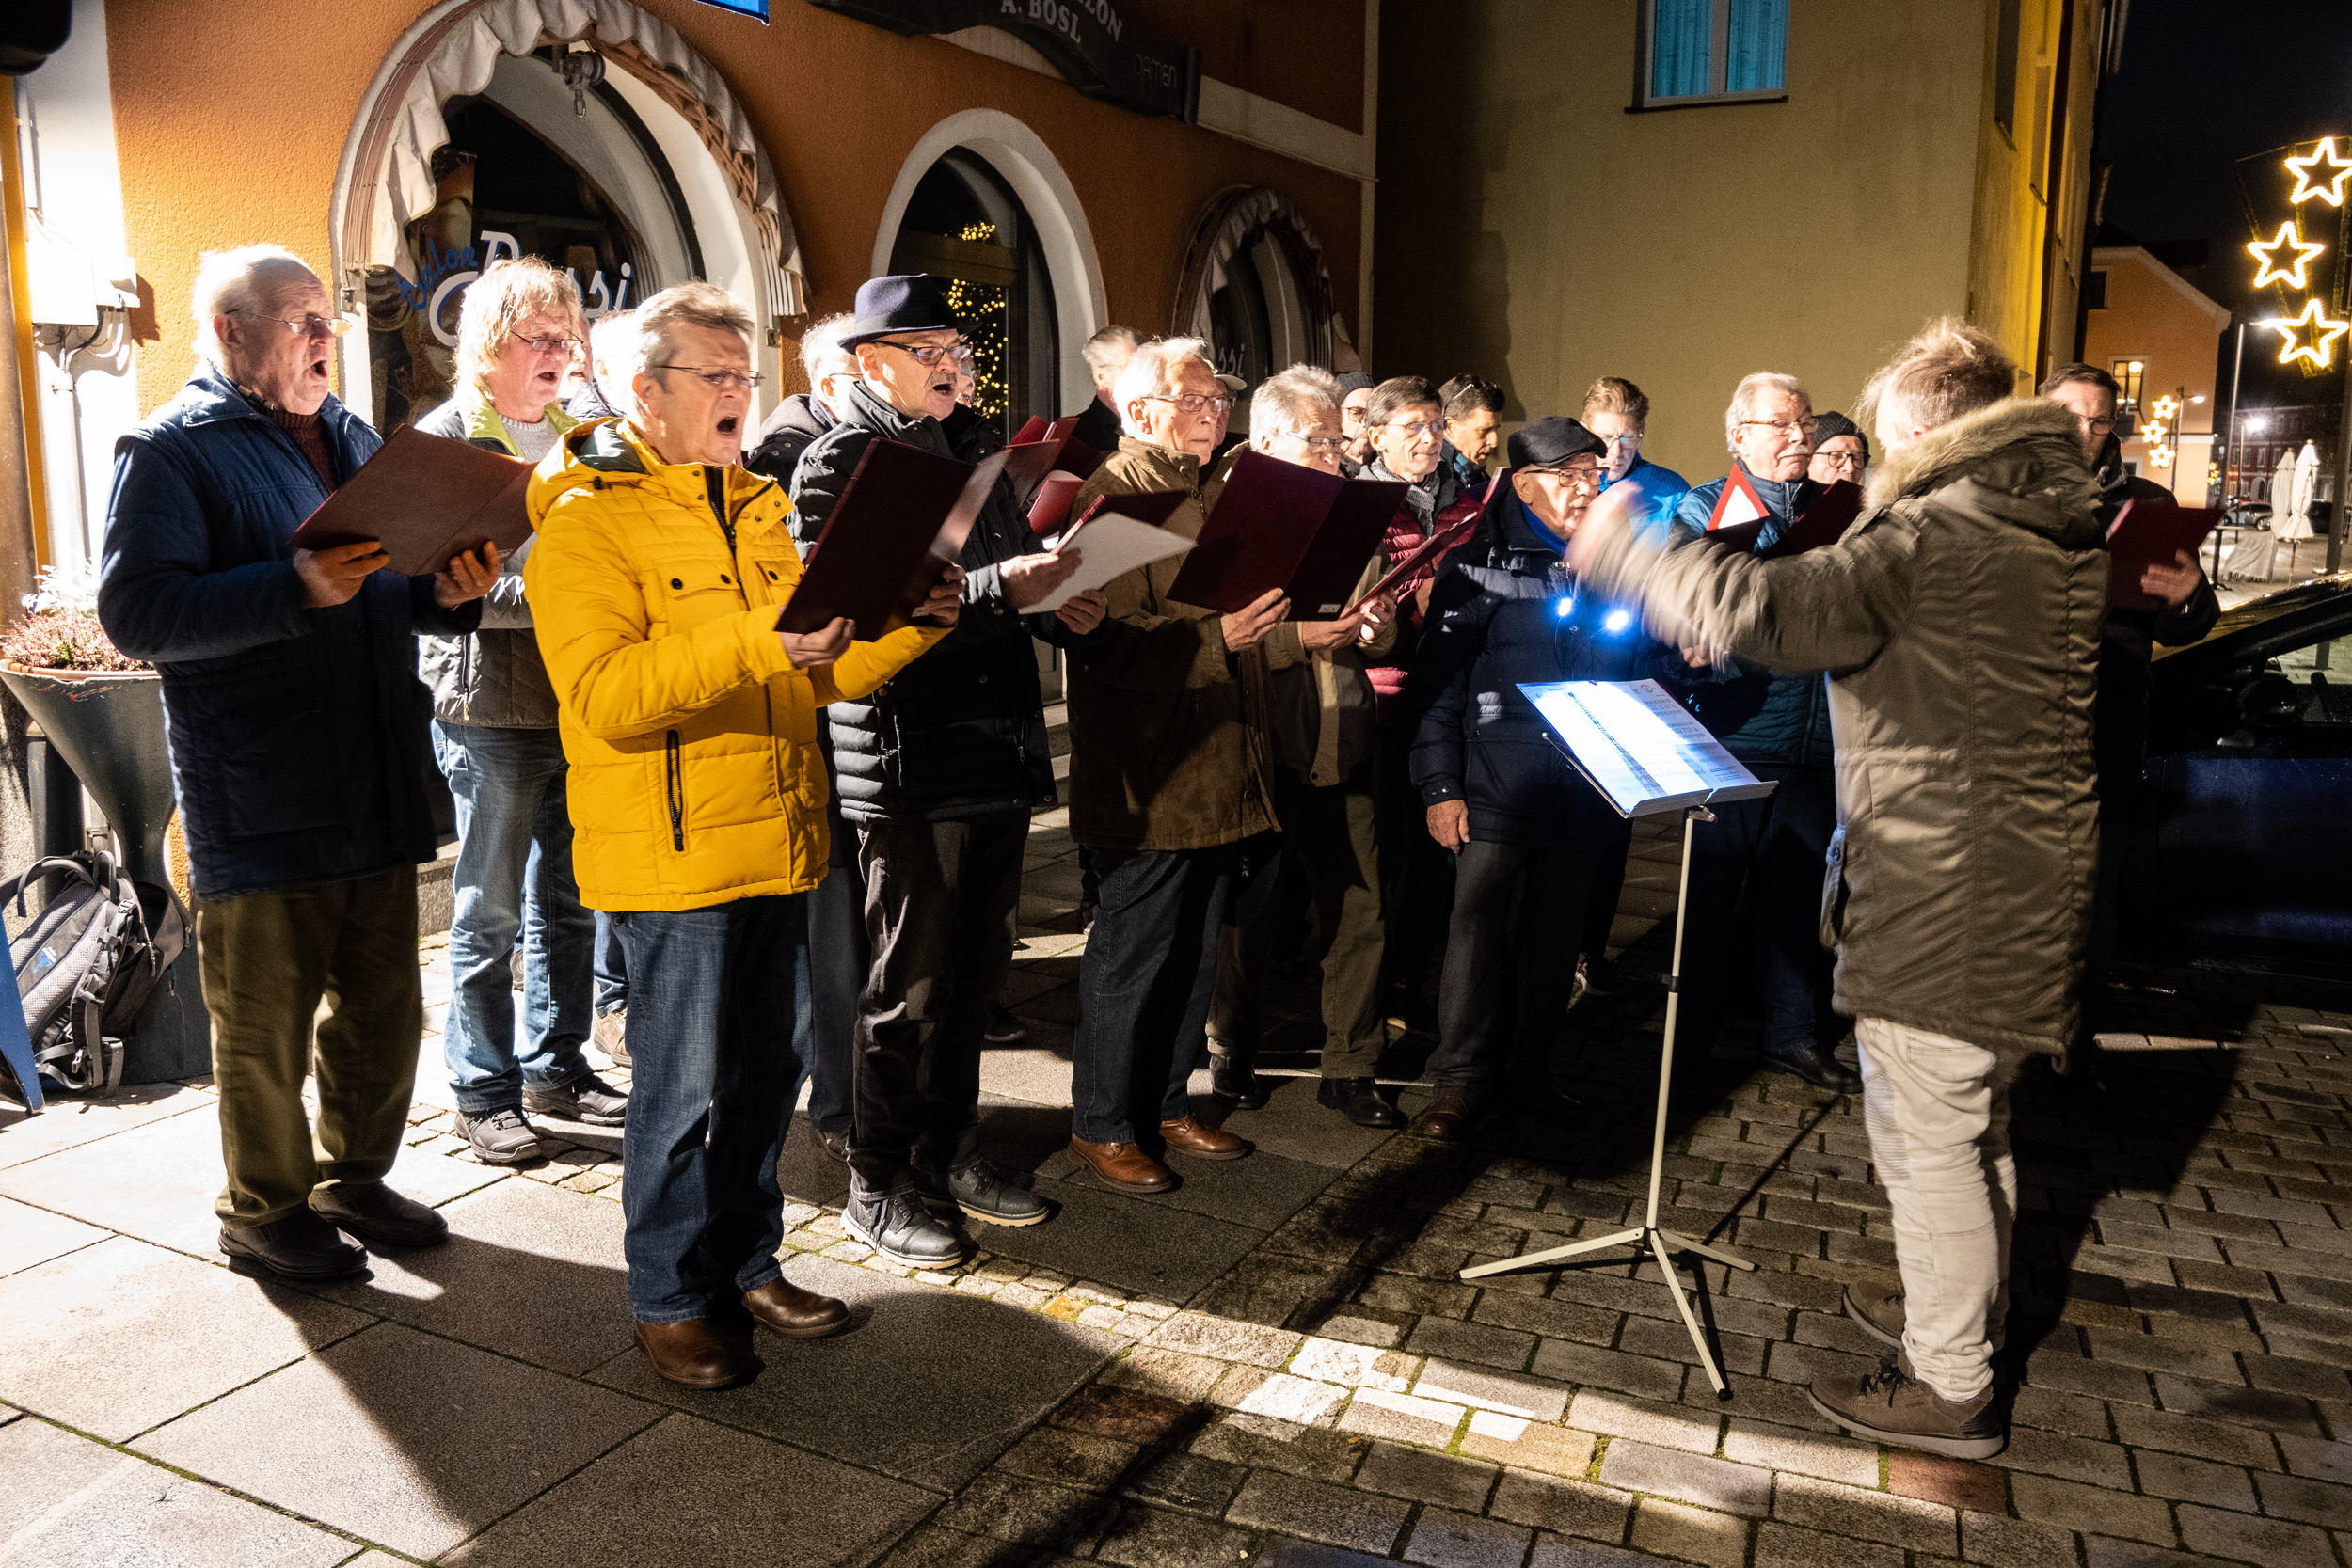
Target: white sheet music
x,y
1640,747
1110,546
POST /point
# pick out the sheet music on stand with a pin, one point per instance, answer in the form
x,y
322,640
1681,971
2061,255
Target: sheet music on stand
x,y
1646,752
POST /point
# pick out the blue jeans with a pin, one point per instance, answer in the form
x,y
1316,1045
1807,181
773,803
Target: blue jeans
x,y
514,873
1144,987
715,996
610,967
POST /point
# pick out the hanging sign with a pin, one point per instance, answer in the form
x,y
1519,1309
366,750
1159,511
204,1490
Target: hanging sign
x,y
1093,43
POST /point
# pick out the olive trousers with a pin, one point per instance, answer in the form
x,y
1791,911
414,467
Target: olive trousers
x,y
267,959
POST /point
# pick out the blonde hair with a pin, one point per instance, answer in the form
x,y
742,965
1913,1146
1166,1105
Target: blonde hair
x,y
509,292
1615,394
245,282
649,337
1948,370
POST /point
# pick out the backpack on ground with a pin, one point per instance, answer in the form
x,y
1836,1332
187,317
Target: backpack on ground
x,y
88,961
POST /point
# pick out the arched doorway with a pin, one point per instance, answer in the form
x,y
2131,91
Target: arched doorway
x,y
996,159
1255,286
634,167
964,223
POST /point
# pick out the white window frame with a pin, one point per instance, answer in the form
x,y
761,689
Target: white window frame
x,y
1718,65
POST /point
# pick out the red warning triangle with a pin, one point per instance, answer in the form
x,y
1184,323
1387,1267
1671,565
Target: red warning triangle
x,y
1738,503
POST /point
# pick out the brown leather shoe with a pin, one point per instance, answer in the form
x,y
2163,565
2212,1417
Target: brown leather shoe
x,y
1448,1120
1204,1143
800,1314
696,1353
1123,1167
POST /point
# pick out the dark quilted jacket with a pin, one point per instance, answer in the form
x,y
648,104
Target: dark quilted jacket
x,y
1960,619
961,732
298,740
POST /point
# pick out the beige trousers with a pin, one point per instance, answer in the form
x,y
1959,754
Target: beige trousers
x,y
1937,1110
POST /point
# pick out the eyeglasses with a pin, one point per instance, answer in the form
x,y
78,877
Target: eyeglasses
x,y
312,326
1319,443
1414,430
2096,427
1784,428
927,358
551,344
1631,438
721,379
1850,461
1585,474
1192,402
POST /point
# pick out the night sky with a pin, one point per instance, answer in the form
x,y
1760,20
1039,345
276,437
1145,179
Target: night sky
x,y
2202,84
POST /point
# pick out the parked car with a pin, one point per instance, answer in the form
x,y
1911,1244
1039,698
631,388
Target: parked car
x,y
2243,860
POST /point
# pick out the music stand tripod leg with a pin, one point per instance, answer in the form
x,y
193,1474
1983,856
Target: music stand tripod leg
x,y
1554,1255
1682,1303
1679,1242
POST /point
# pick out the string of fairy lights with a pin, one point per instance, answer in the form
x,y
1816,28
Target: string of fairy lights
x,y
980,309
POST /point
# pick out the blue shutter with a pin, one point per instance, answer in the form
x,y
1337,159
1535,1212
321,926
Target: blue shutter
x,y
1759,46
1679,33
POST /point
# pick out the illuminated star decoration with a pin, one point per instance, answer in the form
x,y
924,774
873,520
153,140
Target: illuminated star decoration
x,y
2152,432
2266,251
2160,457
2167,406
2306,187
2323,333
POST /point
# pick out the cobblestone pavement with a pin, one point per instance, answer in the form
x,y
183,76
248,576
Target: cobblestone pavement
x,y
1274,1364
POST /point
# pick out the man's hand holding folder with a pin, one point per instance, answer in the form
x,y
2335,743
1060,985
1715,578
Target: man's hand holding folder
x,y
333,576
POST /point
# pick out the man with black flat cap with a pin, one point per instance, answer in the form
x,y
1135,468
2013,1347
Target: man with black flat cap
x,y
1526,831
937,771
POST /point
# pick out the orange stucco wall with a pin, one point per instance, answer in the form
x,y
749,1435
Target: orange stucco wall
x,y
2150,316
223,143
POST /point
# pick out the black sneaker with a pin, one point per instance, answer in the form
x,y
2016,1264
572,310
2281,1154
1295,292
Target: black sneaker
x,y
1816,1067
501,1137
1359,1099
587,1098
986,1194
1002,1027
1232,1080
900,1228
300,1246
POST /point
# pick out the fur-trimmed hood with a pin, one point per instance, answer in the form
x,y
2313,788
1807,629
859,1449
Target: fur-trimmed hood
x,y
2020,448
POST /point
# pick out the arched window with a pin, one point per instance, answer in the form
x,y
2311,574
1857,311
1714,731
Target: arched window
x,y
1254,285
964,223
526,169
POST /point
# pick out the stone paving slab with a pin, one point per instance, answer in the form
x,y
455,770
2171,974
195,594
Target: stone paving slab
x,y
200,1329
1156,1251
404,1439
69,1121
528,1270
72,1503
30,1236
927,1384
686,1491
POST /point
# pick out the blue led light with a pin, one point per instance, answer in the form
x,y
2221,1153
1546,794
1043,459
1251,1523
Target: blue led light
x,y
1561,606
1618,621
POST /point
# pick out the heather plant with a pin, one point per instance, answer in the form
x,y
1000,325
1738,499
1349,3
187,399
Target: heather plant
x,y
62,630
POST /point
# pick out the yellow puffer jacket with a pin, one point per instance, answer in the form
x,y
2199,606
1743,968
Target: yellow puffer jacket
x,y
695,777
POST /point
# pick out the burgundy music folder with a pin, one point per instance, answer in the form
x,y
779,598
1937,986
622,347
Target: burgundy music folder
x,y
1042,450
900,522
2149,533
1280,525
425,498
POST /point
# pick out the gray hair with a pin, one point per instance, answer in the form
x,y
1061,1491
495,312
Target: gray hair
x,y
1948,370
248,280
649,336
1097,352
606,334
1153,369
822,354
1285,404
1744,396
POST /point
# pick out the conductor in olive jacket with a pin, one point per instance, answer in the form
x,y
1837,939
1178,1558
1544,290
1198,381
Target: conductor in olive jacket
x,y
1960,620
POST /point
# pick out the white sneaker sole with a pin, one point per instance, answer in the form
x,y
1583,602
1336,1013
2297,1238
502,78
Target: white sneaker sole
x,y
1950,1448
943,1207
